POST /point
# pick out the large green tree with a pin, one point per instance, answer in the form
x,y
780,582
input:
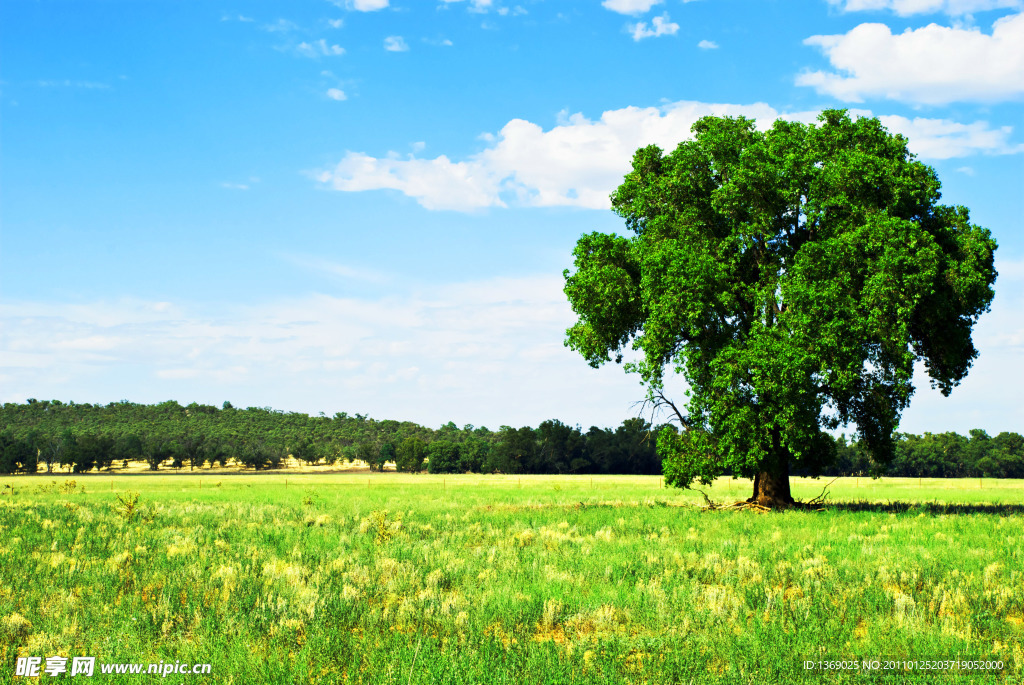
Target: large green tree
x,y
793,277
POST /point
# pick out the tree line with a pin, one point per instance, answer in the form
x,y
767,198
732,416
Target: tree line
x,y
44,435
937,455
48,435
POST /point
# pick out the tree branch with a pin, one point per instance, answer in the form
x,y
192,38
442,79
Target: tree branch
x,y
659,401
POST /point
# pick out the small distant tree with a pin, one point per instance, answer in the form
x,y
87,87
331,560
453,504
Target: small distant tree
x,y
410,455
560,449
449,432
259,454
368,452
978,453
472,455
307,451
52,450
851,460
385,454
443,457
33,442
157,450
68,447
87,451
193,449
516,447
104,448
218,450
128,447
9,446
1006,456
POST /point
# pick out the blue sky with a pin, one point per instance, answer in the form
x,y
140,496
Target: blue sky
x,y
367,205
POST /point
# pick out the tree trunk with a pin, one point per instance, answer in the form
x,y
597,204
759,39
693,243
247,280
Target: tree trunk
x,y
771,488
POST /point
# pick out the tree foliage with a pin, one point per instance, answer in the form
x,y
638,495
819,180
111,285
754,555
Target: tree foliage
x,y
793,277
411,454
443,457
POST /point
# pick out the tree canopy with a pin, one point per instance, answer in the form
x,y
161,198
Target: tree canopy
x,y
793,277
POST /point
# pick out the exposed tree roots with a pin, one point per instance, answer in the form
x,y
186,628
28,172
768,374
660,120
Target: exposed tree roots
x,y
814,504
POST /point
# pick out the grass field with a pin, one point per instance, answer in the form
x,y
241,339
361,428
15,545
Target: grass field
x,y
392,578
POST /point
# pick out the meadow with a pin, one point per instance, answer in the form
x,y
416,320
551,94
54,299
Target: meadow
x,y
393,578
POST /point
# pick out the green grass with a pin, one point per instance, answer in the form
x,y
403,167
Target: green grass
x,y
392,578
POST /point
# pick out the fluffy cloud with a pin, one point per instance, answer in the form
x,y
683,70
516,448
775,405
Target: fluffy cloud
x,y
943,139
630,6
580,161
907,7
395,44
364,5
484,352
336,94
435,183
660,26
707,45
933,65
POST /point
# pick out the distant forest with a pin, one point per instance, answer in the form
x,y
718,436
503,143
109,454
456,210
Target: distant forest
x,y
49,435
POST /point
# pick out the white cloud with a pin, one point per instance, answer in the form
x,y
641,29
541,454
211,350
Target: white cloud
x,y
363,5
630,6
240,186
319,48
933,65
707,45
336,94
580,161
335,23
237,17
484,352
435,183
660,26
908,7
966,170
395,44
943,138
